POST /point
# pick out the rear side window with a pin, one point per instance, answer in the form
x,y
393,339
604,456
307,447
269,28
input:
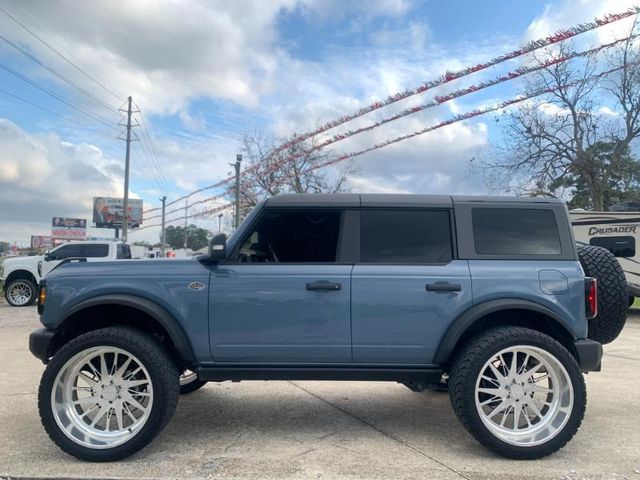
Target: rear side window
x,y
405,236
96,250
123,251
619,246
293,237
515,231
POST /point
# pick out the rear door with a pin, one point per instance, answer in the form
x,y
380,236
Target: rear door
x,y
407,287
284,295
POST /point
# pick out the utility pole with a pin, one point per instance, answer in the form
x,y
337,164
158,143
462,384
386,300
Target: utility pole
x,y
186,210
220,223
125,202
164,201
237,167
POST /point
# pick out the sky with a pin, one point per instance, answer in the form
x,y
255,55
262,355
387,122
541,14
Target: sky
x,y
203,72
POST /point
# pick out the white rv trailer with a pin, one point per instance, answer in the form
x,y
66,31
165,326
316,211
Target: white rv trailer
x,y
618,232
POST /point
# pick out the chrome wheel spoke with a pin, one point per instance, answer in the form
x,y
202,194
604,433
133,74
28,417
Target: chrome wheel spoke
x,y
524,395
102,397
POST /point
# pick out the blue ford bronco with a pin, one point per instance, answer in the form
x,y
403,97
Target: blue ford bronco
x,y
483,296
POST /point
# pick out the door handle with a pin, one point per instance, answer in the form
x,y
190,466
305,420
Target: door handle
x,y
443,287
324,286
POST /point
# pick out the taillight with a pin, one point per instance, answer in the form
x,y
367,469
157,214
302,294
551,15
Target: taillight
x,y
591,297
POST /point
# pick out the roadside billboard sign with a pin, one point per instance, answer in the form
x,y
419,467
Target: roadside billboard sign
x,y
41,241
69,228
108,212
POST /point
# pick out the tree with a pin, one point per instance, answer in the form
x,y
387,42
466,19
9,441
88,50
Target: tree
x,y
566,140
196,237
4,247
267,174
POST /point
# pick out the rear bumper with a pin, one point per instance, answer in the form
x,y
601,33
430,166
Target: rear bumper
x,y
40,341
589,355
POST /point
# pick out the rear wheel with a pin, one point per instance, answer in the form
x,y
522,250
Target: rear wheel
x,y
189,382
518,392
107,393
20,292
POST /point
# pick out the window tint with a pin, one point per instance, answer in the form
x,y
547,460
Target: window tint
x,y
294,236
619,246
67,251
405,236
96,250
515,231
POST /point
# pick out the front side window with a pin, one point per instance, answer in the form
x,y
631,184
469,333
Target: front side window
x,y
619,246
405,236
293,237
515,231
67,251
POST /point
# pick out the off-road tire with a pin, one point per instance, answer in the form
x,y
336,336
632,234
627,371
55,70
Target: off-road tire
x,y
164,379
613,292
29,283
464,372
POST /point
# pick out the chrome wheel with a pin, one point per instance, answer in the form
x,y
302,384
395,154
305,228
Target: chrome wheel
x,y
20,293
187,377
524,395
102,397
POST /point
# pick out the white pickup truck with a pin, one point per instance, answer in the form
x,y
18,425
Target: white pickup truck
x,y
22,275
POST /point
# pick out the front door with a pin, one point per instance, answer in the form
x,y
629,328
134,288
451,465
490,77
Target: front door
x,y
282,297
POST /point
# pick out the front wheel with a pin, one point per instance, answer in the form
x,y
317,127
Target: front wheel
x,y
518,392
107,393
20,292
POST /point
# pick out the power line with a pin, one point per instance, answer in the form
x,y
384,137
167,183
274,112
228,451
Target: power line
x,y
529,47
51,112
56,96
61,77
146,134
57,52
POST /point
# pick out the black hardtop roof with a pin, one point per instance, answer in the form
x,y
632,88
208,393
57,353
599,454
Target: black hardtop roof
x,y
392,200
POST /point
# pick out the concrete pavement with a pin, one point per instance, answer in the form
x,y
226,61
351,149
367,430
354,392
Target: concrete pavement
x,y
321,429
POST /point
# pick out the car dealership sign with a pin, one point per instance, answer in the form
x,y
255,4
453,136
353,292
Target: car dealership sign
x,y
69,228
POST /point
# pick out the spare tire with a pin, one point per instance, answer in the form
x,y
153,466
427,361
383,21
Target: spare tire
x,y
613,292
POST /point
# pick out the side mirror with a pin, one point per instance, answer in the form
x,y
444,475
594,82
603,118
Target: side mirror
x,y
218,247
47,257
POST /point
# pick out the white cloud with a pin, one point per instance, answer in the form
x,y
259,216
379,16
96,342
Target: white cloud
x,y
42,176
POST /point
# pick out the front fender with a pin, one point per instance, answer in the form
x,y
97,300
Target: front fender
x,y
155,311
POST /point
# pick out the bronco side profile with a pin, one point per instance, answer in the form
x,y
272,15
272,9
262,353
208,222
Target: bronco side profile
x,y
482,295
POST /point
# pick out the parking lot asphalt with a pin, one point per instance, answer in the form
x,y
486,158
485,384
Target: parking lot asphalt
x,y
321,430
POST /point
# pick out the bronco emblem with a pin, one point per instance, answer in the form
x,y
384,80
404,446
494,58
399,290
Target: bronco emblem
x,y
196,286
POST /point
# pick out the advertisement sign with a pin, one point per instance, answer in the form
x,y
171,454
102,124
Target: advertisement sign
x,y
108,212
68,228
41,241
62,222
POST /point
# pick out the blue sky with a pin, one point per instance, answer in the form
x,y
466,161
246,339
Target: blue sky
x,y
203,72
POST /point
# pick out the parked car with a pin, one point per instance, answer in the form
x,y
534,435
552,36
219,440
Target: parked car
x,y
484,296
22,275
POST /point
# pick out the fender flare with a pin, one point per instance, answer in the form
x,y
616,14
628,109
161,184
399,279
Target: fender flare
x,y
155,311
475,313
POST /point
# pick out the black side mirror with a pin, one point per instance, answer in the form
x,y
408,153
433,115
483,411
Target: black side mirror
x,y
47,257
218,247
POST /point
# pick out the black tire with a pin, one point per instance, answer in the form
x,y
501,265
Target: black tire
x,y
191,385
163,375
467,367
27,283
632,300
613,292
